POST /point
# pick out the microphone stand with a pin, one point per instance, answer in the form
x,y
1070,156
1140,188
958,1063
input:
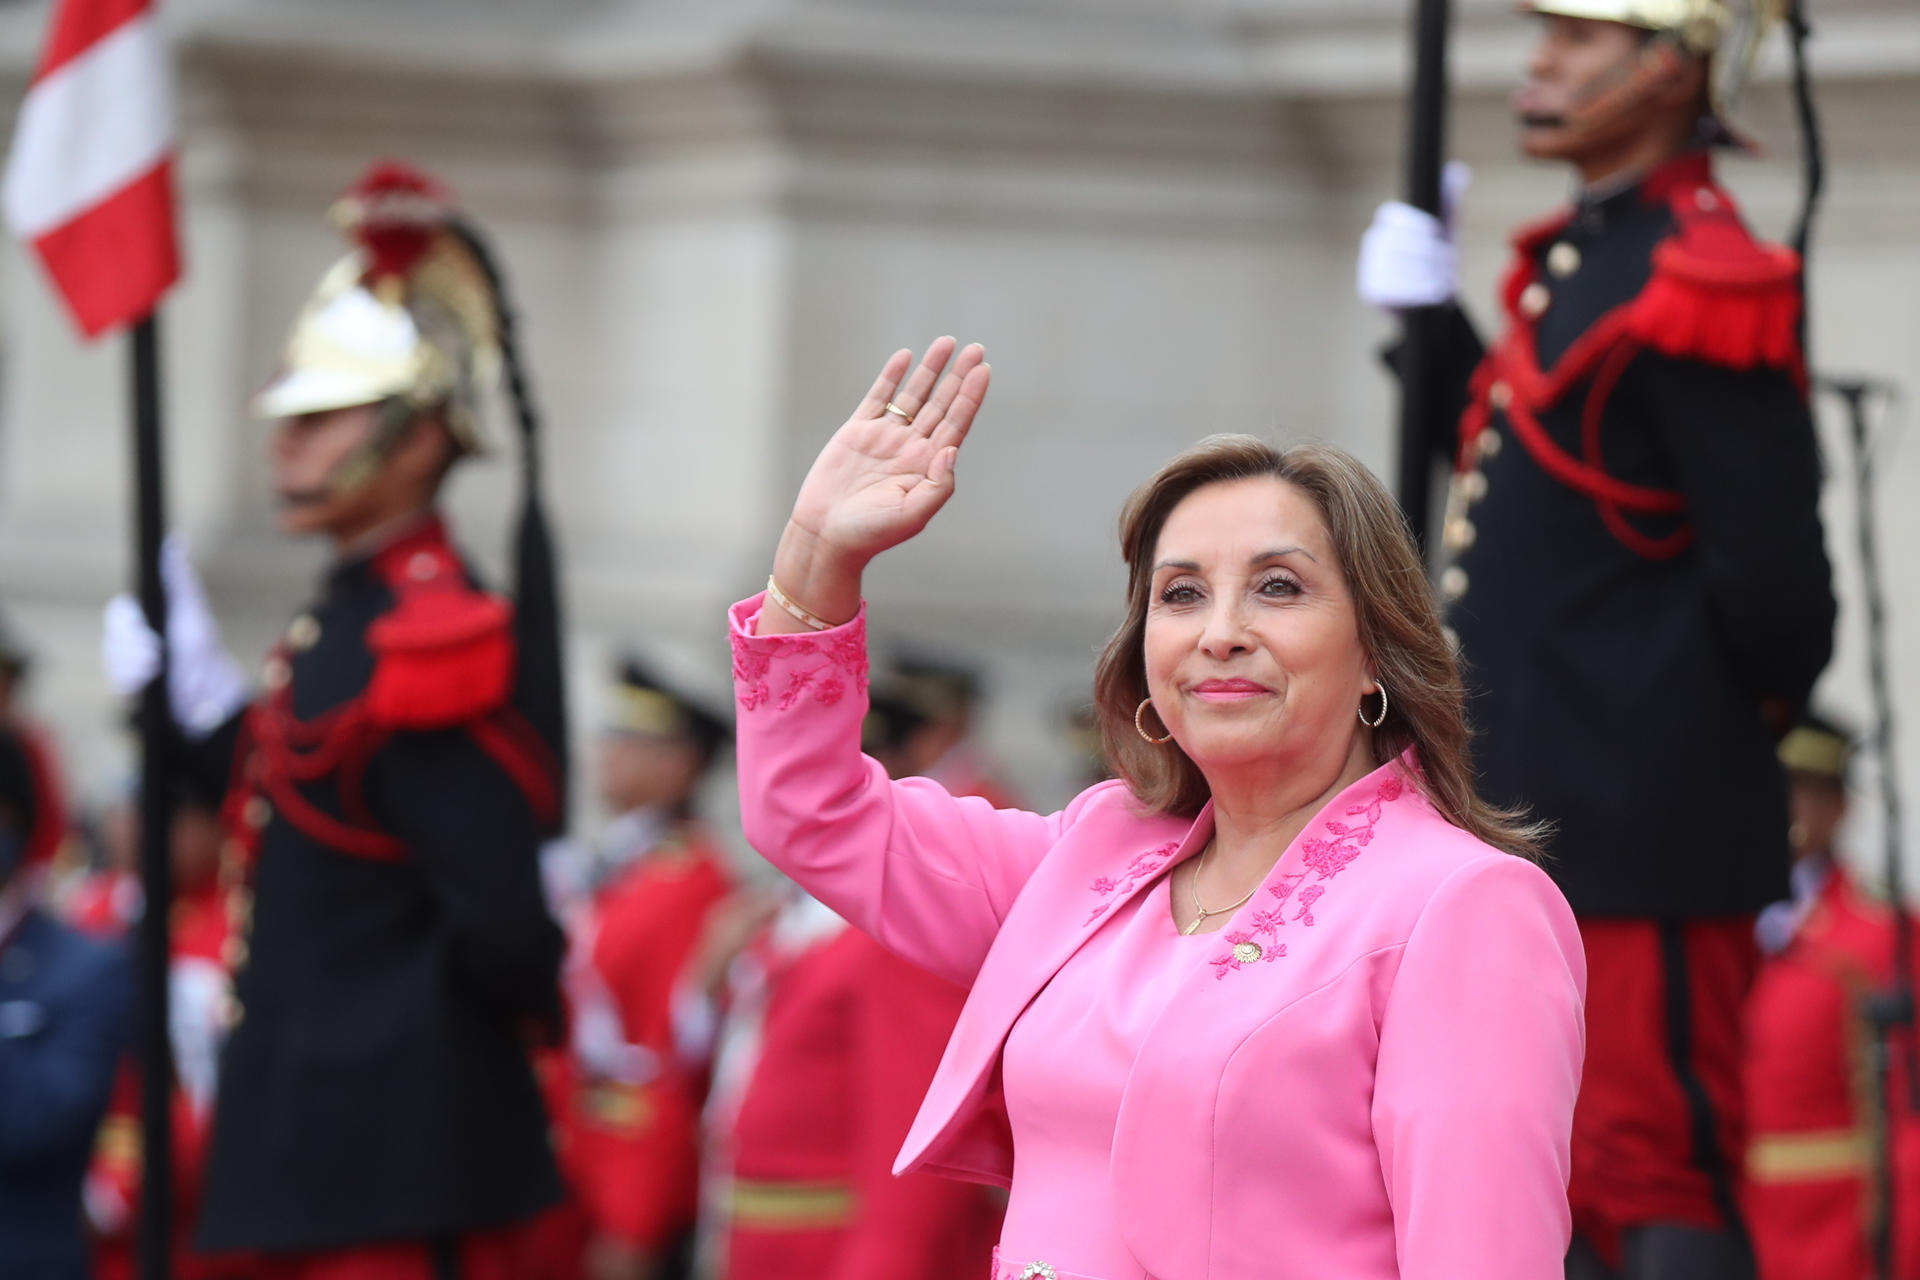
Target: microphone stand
x,y
1889,1010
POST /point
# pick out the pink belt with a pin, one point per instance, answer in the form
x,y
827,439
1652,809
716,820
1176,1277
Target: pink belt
x,y
1004,1270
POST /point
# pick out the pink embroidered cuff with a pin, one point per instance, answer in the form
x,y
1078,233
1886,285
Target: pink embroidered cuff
x,y
786,671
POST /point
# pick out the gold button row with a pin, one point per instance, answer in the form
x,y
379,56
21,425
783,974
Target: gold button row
x,y
303,632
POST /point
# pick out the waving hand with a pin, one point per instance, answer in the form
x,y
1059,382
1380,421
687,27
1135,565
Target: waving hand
x,y
881,477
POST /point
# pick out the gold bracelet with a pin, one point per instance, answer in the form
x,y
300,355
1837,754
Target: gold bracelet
x,y
799,612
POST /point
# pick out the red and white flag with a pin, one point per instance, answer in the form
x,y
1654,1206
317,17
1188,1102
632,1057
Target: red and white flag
x,y
90,180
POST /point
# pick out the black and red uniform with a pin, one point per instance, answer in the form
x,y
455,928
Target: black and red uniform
x,y
1641,597
377,1115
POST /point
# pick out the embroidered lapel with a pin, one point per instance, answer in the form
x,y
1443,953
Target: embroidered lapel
x,y
1338,835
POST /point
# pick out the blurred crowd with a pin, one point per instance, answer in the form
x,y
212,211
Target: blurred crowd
x,y
739,1067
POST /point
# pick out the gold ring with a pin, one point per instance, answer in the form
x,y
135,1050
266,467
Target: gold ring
x,y
904,415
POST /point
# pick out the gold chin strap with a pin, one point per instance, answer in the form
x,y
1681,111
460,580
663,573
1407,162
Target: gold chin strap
x,y
1636,81
358,468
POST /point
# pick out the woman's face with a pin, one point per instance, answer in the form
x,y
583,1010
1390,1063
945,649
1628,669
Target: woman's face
x,y
1252,649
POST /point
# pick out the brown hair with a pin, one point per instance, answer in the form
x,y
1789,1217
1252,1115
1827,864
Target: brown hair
x,y
1392,604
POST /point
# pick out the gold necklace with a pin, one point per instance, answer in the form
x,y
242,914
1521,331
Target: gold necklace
x,y
1193,893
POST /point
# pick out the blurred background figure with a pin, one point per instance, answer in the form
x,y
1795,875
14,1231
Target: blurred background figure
x,y
938,742
64,1004
629,1124
50,820
1079,726
204,941
1814,1103
103,895
824,1043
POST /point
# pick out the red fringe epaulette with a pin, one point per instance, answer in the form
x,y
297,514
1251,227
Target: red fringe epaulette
x,y
444,655
443,659
1717,294
1739,314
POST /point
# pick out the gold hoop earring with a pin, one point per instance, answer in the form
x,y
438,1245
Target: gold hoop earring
x,y
1380,719
1141,729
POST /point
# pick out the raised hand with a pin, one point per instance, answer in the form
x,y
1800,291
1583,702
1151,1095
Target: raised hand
x,y
881,477
890,467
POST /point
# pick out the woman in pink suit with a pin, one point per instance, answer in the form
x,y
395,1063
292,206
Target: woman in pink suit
x,y
1286,1001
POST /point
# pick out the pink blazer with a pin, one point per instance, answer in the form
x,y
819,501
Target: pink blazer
x,y
1369,1073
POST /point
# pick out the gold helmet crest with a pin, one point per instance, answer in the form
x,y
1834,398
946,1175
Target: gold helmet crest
x,y
408,316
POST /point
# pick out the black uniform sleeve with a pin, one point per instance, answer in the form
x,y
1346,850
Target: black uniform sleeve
x,y
1744,453
473,834
1461,350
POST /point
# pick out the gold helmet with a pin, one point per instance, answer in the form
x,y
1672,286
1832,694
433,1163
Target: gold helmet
x,y
407,320
1727,33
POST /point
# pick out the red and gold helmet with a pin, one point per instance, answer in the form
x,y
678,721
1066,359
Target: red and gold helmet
x,y
409,315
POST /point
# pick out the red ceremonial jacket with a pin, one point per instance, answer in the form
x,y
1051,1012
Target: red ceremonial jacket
x,y
630,1132
1810,1109
851,1039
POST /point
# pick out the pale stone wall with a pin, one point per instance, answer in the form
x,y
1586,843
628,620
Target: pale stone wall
x,y
718,217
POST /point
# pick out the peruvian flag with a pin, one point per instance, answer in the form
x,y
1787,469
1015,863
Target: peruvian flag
x,y
90,179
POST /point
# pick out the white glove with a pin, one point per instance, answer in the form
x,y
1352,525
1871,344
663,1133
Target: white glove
x,y
1407,257
205,684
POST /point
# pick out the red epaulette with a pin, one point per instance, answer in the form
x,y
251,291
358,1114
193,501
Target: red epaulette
x,y
1717,294
444,654
444,658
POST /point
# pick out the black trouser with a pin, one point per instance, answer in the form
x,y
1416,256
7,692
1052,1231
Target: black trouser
x,y
1669,1251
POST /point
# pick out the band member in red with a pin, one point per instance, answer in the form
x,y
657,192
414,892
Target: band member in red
x,y
825,1051
1814,1106
629,1118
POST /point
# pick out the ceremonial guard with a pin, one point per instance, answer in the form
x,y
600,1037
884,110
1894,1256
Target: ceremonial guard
x,y
1636,579
826,1048
64,1001
630,1123
393,955
1814,1106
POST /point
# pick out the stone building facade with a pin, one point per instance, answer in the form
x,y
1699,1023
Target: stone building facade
x,y
719,215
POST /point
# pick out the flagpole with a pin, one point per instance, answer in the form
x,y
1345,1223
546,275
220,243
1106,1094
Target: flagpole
x,y
156,873
1420,409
